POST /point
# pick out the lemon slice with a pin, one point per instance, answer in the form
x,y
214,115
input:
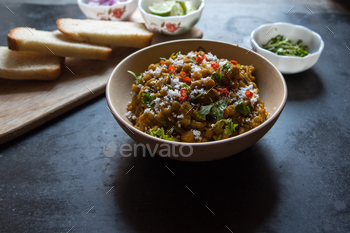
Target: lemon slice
x,y
187,6
162,8
177,10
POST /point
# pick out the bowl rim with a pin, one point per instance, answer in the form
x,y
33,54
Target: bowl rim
x,y
81,2
196,144
143,11
258,47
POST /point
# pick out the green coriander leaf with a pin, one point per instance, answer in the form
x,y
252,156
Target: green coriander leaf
x,y
246,79
218,109
137,78
159,133
169,86
193,60
226,68
199,96
242,108
205,110
220,136
217,76
219,124
148,99
230,126
174,54
187,87
283,46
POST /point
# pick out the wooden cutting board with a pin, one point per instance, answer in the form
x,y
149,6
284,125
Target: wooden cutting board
x,y
28,104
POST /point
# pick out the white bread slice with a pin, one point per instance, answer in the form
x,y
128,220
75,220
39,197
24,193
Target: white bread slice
x,y
114,33
29,65
29,39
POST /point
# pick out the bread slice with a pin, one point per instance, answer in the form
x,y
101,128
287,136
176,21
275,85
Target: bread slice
x,y
29,39
29,65
114,33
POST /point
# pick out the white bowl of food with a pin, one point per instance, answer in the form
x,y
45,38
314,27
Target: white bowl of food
x,y
172,20
262,36
114,10
182,108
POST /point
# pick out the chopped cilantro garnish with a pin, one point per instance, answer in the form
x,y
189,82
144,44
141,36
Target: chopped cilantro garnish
x,y
220,136
159,133
199,96
137,78
230,126
169,86
281,45
187,87
218,109
148,99
205,110
246,79
226,68
242,108
174,54
193,60
217,76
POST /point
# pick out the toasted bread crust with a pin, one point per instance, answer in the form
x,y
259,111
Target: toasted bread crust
x,y
17,42
11,41
21,65
61,29
135,39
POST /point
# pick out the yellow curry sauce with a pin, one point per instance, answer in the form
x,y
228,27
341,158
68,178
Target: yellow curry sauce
x,y
196,97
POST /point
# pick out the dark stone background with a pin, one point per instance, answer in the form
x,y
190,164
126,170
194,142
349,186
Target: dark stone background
x,y
295,179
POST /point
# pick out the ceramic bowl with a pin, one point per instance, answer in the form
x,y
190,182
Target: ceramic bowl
x,y
170,25
288,64
270,81
117,12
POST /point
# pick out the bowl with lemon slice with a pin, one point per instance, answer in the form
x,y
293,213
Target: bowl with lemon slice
x,y
171,17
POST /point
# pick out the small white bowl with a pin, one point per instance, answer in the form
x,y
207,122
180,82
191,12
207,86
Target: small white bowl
x,y
117,12
288,64
170,25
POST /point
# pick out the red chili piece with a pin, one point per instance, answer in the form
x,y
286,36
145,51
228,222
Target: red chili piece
x,y
161,62
233,62
223,91
183,92
200,59
215,66
183,98
187,80
183,74
172,69
249,94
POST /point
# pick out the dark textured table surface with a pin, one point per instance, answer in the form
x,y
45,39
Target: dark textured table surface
x,y
56,178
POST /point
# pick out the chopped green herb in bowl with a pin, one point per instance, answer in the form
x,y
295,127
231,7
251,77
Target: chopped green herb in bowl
x,y
281,45
291,48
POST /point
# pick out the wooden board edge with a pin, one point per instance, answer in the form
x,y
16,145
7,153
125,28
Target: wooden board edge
x,y
17,132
